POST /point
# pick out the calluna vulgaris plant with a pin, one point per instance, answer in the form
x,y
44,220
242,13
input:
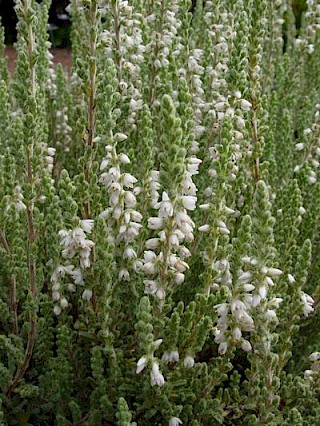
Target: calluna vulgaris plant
x,y
160,216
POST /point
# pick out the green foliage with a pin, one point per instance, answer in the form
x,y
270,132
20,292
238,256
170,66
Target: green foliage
x,y
159,221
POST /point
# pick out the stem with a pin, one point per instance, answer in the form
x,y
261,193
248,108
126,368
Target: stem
x,y
255,138
32,279
4,242
198,238
13,285
31,59
93,74
154,71
14,304
31,229
116,20
92,95
271,51
27,356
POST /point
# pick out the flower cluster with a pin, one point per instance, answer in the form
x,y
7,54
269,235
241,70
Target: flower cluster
x,y
309,149
166,252
78,247
123,218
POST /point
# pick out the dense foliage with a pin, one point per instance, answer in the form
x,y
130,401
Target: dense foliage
x,y
159,220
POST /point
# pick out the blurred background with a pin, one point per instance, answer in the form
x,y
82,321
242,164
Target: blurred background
x,y
59,22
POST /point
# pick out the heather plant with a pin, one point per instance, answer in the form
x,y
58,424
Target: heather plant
x,y
160,216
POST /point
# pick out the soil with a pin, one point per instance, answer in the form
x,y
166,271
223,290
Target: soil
x,y
62,56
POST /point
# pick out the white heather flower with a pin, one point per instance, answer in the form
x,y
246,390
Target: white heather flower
x,y
246,345
302,210
63,303
238,308
307,303
87,294
188,362
119,137
245,277
204,206
220,106
276,302
57,310
229,211
149,256
156,376
256,299
56,286
178,278
271,315
248,287
136,105
241,124
124,274
71,287
204,228
129,180
136,216
114,172
180,265
268,281
222,349
291,279
166,207
274,272
137,265
87,225
236,333
117,212
308,375
310,48
153,243
151,286
184,251
55,296
174,240
129,253
150,268
263,292
222,309
175,421
189,202
141,364
51,151
77,276
315,356
299,146
161,294
49,160
193,167
221,224
155,223
238,135
172,356
245,105
124,159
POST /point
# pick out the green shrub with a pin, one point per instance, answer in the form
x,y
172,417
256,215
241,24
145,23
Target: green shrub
x,y
159,220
